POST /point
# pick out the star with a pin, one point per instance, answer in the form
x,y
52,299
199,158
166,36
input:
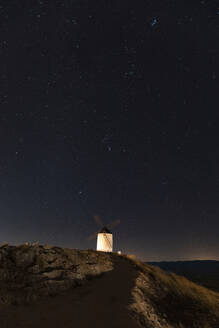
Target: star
x,y
154,22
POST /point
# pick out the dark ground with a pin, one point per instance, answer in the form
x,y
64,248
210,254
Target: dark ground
x,y
102,302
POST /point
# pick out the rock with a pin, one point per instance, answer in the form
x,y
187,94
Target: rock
x,y
28,272
25,257
55,274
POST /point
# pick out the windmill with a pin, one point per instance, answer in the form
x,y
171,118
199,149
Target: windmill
x,y
104,235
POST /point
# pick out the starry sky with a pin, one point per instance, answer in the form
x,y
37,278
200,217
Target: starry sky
x,y
110,108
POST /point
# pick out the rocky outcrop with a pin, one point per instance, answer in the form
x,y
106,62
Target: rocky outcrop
x,y
146,294
28,272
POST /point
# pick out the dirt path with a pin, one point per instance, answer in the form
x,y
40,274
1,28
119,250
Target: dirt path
x,y
102,302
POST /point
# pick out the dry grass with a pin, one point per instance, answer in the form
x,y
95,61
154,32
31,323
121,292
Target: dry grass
x,y
174,300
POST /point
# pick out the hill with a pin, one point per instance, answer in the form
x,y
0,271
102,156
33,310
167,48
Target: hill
x,y
43,286
205,273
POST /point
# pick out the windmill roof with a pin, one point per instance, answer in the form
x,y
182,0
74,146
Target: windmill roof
x,y
105,230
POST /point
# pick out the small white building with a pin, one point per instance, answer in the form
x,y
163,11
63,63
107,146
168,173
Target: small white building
x,y
105,240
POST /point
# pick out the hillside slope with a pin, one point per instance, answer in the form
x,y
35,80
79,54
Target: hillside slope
x,y
45,287
165,300
205,273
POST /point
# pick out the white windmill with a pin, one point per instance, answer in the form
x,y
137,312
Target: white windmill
x,y
104,236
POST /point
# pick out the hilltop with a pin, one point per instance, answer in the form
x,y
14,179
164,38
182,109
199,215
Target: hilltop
x,y
45,286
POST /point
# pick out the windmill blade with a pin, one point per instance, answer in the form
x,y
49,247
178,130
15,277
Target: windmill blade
x,y
113,224
93,236
98,221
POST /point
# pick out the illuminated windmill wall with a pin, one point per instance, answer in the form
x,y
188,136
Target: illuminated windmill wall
x,y
104,236
105,240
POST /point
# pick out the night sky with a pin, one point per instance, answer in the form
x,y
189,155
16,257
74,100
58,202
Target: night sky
x,y
110,108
